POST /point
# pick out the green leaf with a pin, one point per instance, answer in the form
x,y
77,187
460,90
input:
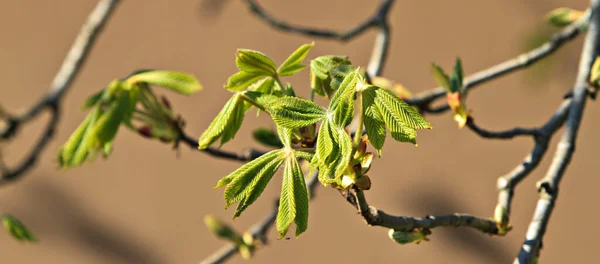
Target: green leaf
x,y
182,83
267,137
245,184
339,74
304,155
320,68
226,123
441,78
258,185
400,118
292,64
292,112
265,85
92,100
293,203
241,80
457,76
255,62
333,153
285,135
342,103
374,123
17,229
399,110
107,125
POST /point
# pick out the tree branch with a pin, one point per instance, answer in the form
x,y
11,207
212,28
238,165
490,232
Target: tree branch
x,y
548,186
260,229
218,153
508,134
69,69
378,20
376,217
424,99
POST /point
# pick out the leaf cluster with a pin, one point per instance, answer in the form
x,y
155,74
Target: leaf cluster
x,y
117,105
329,148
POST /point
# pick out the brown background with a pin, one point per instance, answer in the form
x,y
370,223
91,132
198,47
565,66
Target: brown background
x,y
145,205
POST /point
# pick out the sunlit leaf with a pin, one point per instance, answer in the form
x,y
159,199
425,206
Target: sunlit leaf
x,y
292,112
241,80
441,78
17,229
255,62
292,63
182,83
293,203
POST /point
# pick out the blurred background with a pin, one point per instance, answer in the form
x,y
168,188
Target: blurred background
x,y
146,205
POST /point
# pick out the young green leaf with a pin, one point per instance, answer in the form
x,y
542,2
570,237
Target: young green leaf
x,y
399,117
258,185
320,68
342,103
285,135
245,184
292,64
292,112
241,80
226,123
293,203
441,78
17,229
267,138
457,76
182,83
255,62
563,16
108,124
399,110
265,86
374,123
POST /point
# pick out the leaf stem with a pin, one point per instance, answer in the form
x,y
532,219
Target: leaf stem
x,y
252,102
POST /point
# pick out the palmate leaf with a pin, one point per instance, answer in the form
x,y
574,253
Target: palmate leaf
x,y
245,184
99,128
17,229
182,83
292,64
255,62
226,123
381,109
241,80
292,112
293,203
374,123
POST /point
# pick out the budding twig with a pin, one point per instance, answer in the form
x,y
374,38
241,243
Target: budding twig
x,y
69,69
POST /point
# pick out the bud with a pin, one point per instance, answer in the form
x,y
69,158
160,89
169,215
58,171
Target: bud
x,y
222,230
363,183
406,237
563,16
501,217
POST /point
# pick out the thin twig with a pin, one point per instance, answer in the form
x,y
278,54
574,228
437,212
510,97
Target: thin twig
x,y
508,134
508,182
69,69
218,153
260,229
376,217
378,20
424,99
548,186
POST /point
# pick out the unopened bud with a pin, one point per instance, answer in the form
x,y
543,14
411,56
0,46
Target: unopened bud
x,y
407,237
